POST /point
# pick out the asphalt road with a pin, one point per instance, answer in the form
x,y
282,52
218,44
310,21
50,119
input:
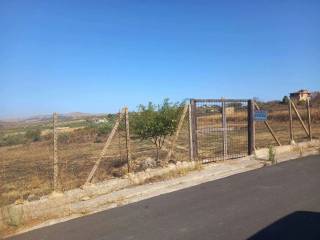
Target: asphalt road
x,y
277,202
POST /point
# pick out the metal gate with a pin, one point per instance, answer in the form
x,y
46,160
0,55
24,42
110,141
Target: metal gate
x,y
221,128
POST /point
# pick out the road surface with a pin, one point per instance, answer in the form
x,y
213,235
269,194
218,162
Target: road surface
x,y
276,202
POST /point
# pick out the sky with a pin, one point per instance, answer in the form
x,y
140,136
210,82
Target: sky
x,y
97,56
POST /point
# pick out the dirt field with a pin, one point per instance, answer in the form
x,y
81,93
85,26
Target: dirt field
x,y
27,169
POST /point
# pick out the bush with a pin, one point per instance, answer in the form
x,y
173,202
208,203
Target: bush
x,y
156,122
272,154
285,100
33,134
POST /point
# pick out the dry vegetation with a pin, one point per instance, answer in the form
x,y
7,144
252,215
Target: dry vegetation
x,y
174,174
27,169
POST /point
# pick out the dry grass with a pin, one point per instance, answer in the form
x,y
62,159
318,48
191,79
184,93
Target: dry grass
x,y
174,174
28,169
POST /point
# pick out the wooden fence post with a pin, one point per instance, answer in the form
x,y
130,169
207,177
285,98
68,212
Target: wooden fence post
x,y
250,127
190,133
180,124
300,119
269,127
55,153
309,118
128,139
104,150
224,130
290,122
194,130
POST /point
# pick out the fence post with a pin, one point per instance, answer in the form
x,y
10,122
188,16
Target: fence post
x,y
105,148
309,118
290,122
300,119
268,126
194,130
128,139
224,130
176,135
55,153
250,127
190,133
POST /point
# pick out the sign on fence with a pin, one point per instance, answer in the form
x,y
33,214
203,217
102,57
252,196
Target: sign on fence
x,y
260,115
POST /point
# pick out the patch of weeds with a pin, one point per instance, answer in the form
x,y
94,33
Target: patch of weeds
x,y
174,173
272,154
300,152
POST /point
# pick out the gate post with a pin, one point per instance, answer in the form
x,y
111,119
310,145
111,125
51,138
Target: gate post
x,y
251,136
224,130
193,130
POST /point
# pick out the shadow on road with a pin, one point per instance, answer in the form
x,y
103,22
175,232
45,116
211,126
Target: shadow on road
x,y
297,225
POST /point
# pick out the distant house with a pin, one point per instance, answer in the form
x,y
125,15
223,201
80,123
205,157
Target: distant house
x,y
301,95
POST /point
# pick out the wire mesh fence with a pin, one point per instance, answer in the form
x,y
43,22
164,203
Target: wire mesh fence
x,y
27,167
315,119
221,128
26,148
279,122
299,134
80,149
25,162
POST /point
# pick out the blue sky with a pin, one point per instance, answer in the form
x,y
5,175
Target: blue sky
x,y
96,56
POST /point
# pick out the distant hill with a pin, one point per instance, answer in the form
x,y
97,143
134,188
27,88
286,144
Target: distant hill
x,y
46,117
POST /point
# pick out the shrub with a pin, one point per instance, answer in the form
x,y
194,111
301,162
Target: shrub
x,y
33,134
156,122
272,154
285,100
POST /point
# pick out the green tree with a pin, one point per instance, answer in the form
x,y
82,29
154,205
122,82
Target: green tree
x,y
285,100
156,122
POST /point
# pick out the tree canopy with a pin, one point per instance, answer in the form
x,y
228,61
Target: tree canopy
x,y
156,122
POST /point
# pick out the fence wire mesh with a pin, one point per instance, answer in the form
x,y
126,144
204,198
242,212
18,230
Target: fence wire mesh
x,y
279,121
181,150
315,119
81,148
26,147
221,128
25,161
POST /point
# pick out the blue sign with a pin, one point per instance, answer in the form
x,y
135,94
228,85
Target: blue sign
x,y
260,115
